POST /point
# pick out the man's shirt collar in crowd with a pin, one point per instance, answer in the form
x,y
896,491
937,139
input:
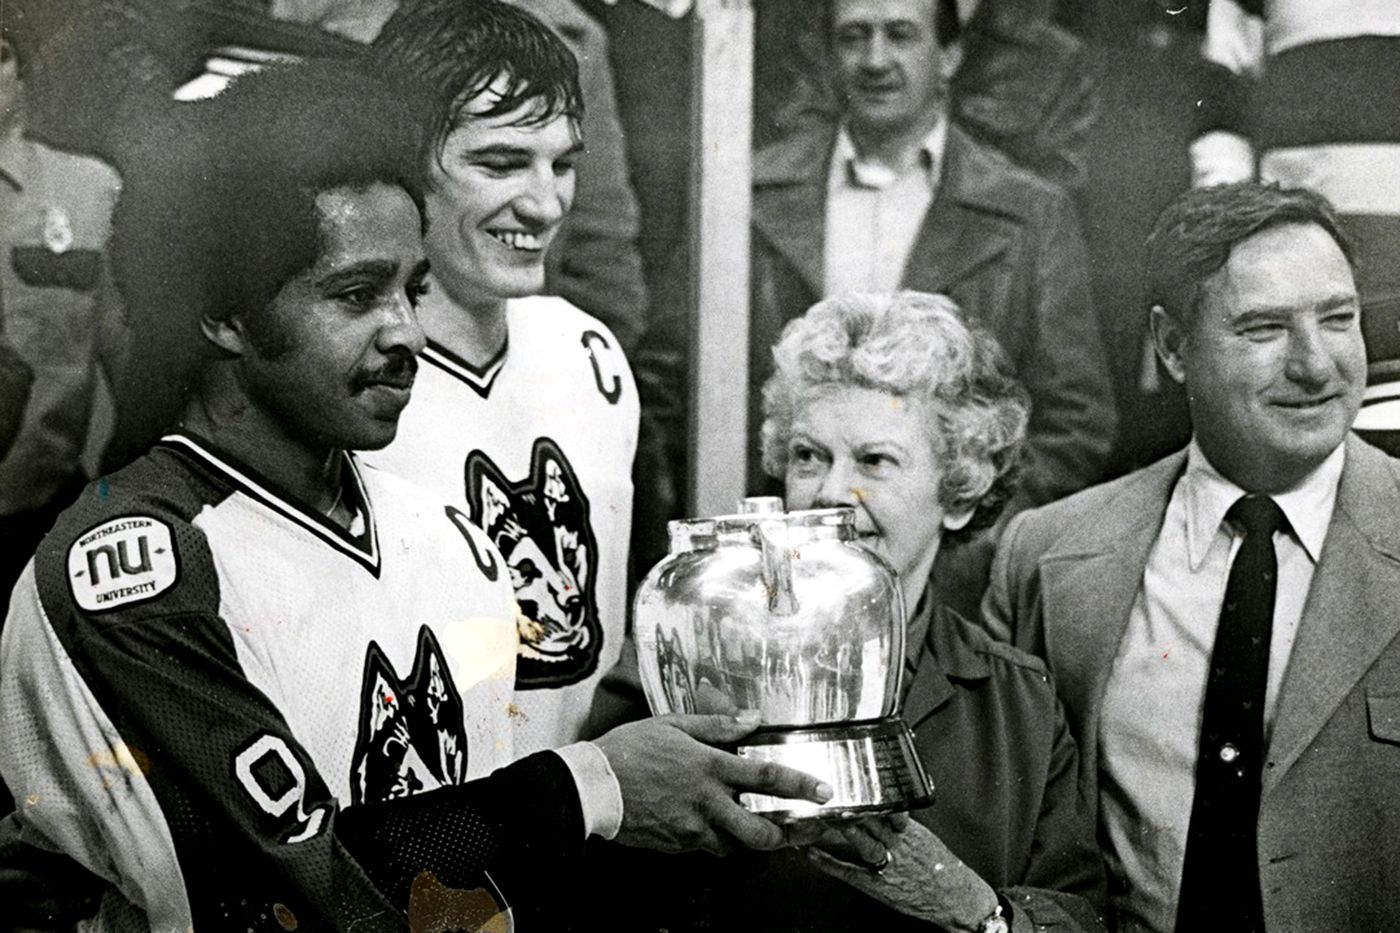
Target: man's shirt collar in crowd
x,y
1209,495
848,169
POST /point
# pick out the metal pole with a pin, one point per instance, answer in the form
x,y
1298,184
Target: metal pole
x,y
723,83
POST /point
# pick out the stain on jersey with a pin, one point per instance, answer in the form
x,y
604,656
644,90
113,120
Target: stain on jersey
x,y
411,736
541,524
432,905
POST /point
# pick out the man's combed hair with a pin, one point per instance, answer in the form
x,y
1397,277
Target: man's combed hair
x,y
948,27
918,347
1193,237
456,49
231,214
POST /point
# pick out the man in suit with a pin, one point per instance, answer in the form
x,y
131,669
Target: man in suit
x,y
1128,590
893,193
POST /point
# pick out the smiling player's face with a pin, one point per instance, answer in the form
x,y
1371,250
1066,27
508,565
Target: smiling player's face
x,y
498,192
331,360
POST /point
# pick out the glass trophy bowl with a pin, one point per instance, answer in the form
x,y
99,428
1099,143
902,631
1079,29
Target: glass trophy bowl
x,y
783,619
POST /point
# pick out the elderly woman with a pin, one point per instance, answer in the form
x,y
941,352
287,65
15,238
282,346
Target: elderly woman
x,y
895,406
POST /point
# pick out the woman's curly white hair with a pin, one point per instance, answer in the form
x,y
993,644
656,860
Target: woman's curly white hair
x,y
918,347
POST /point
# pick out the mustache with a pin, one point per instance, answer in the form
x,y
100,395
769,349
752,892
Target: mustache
x,y
398,371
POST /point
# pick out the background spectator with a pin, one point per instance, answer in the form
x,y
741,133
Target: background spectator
x,y
898,193
58,310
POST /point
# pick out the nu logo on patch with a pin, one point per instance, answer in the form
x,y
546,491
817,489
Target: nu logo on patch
x,y
124,561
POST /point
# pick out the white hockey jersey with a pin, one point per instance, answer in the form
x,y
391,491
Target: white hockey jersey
x,y
537,448
195,660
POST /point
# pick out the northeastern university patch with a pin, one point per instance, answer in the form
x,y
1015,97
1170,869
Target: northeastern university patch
x,y
124,561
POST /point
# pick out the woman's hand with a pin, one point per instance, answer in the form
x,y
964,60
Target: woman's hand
x,y
922,877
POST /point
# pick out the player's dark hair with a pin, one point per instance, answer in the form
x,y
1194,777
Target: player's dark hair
x,y
230,215
455,49
1192,239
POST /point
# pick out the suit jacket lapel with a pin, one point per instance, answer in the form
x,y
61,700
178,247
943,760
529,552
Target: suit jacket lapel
x,y
1091,577
972,220
1350,614
969,224
789,200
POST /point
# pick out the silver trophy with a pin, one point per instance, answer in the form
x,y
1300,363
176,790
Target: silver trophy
x,y
782,618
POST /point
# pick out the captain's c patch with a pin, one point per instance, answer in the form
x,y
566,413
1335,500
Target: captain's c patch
x,y
124,561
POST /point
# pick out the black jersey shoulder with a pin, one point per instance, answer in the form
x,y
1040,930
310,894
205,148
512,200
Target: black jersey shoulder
x,y
128,545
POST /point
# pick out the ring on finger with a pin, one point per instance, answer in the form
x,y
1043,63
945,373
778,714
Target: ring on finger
x,y
878,869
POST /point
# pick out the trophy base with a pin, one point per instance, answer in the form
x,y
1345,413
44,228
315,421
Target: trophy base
x,y
872,767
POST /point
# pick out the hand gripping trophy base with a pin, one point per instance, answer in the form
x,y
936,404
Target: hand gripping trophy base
x,y
871,766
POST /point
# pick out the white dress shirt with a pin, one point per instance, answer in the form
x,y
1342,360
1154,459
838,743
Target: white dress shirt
x,y
873,214
1149,732
599,793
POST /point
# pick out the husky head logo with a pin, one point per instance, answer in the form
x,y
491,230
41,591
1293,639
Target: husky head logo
x,y
411,736
541,526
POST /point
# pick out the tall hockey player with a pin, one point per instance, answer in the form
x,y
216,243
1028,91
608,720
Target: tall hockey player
x,y
253,684
525,415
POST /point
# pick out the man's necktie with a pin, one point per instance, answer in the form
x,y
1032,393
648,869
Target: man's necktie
x,y
1220,878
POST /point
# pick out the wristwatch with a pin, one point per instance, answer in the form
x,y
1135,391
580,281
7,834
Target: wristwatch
x,y
1000,919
